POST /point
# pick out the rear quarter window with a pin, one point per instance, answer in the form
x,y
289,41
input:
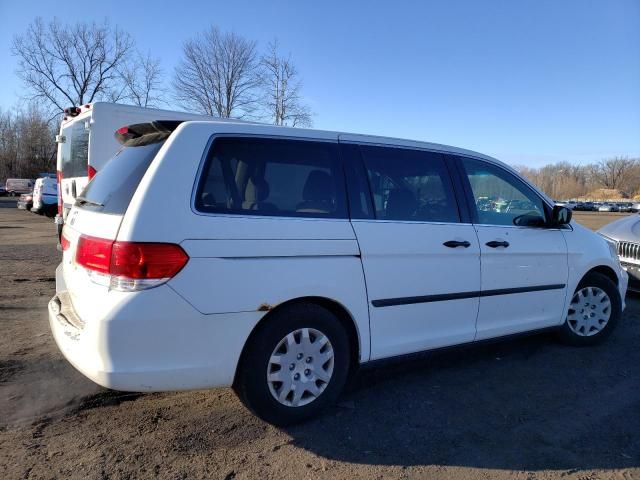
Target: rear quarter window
x,y
272,177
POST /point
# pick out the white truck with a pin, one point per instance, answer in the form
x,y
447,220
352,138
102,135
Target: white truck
x,y
86,143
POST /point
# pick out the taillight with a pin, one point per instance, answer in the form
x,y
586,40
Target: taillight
x,y
64,242
60,177
130,265
146,260
91,172
94,253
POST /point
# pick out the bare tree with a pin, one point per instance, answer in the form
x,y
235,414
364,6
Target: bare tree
x,y
141,82
27,144
218,75
612,173
281,86
70,64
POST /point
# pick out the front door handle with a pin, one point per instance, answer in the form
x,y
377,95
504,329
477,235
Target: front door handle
x,y
496,244
456,243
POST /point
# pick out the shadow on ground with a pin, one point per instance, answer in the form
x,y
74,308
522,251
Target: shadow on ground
x,y
527,404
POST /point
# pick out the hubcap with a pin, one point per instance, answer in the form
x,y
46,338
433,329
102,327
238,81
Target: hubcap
x,y
589,311
300,367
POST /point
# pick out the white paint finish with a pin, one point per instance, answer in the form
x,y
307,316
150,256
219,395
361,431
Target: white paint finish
x,y
154,340
269,248
586,251
534,257
406,259
245,284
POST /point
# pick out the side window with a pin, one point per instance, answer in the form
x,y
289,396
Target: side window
x,y
410,185
501,198
272,177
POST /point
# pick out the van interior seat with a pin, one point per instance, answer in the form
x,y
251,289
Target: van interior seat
x,y
318,194
255,194
401,205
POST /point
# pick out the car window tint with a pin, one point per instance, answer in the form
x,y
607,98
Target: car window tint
x,y
112,189
501,198
273,177
410,185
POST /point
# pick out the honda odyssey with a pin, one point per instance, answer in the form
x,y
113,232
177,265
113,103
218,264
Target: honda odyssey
x,y
277,260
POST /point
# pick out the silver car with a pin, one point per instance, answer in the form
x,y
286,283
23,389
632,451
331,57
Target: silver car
x,y
625,233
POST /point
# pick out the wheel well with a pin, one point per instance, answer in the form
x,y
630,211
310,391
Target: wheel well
x,y
337,309
606,271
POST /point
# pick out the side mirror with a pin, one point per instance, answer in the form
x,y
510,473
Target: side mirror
x,y
560,215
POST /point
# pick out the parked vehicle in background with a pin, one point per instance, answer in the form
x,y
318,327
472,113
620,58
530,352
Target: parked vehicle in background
x,y
635,207
86,142
17,186
625,235
277,260
624,206
25,201
3,191
608,207
45,196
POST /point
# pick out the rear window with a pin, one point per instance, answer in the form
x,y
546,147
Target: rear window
x,y
74,152
112,188
273,177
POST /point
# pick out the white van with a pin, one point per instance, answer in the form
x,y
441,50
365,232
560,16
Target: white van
x,y
45,196
86,142
277,260
17,186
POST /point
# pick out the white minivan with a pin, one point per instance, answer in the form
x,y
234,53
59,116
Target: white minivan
x,y
278,260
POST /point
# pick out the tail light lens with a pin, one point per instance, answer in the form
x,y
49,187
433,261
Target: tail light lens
x,y
60,177
129,266
64,242
94,253
91,172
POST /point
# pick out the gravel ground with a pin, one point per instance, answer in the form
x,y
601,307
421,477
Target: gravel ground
x,y
524,409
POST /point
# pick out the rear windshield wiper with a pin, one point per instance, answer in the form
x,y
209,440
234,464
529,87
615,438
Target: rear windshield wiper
x,y
85,201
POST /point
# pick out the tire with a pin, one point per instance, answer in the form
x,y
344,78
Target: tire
x,y
258,393
591,329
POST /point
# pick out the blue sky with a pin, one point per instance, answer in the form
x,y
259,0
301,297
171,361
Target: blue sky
x,y
530,82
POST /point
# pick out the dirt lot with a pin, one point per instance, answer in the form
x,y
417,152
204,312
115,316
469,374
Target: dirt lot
x,y
529,409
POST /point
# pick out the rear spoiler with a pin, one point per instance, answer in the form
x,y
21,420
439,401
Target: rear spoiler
x,y
141,134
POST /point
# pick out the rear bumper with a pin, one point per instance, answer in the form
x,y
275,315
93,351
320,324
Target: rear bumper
x,y
151,341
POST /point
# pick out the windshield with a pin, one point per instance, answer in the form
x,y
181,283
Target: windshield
x,y
112,188
74,152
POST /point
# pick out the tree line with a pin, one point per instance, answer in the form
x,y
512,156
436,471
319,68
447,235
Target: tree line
x,y
60,65
612,178
219,73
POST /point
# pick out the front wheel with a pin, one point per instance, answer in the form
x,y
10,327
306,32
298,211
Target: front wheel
x,y
594,311
294,365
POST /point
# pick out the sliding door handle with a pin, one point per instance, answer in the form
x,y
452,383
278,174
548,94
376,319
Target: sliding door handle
x,y
456,243
496,244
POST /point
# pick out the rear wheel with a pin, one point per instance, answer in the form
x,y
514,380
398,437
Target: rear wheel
x,y
594,311
295,365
